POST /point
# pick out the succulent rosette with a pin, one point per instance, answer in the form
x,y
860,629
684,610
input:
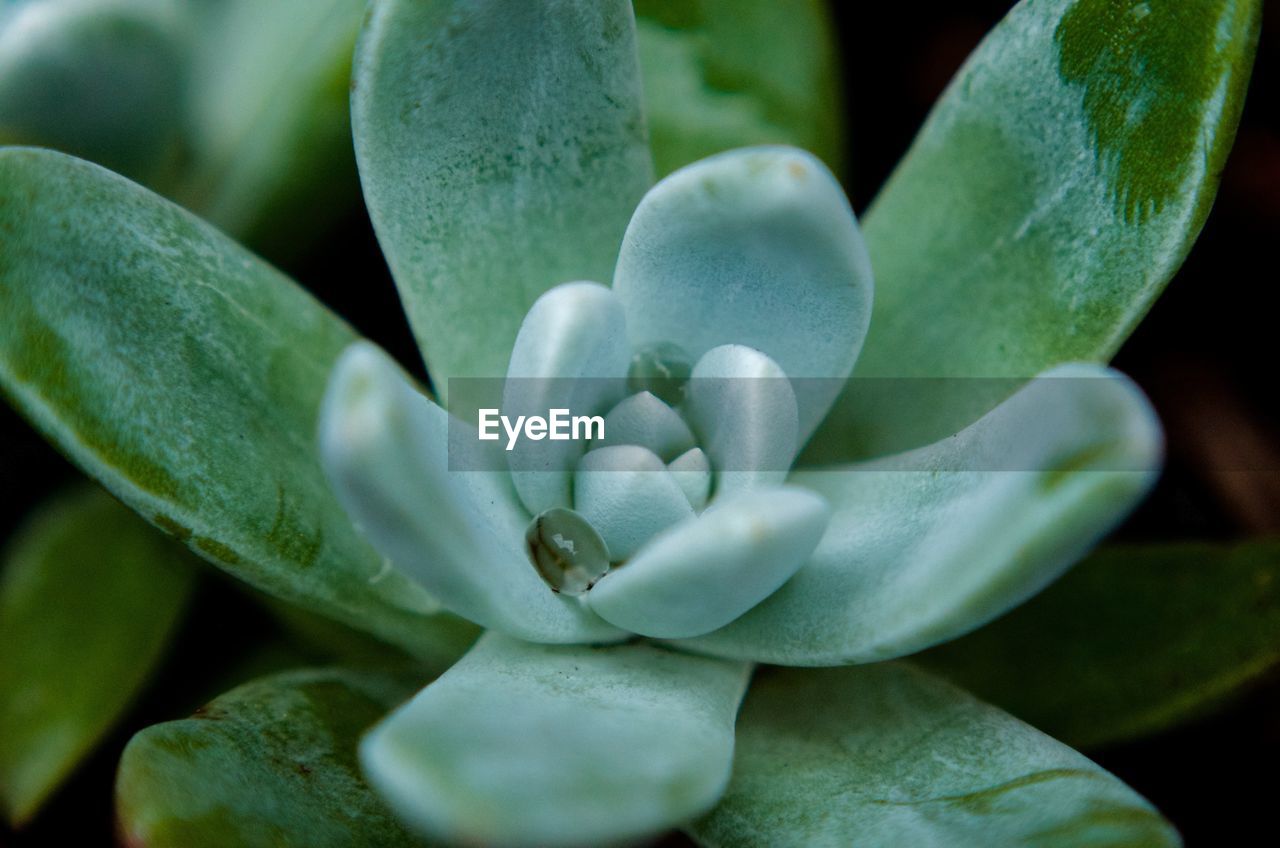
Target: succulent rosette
x,y
690,621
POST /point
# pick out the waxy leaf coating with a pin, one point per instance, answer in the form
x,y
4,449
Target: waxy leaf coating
x,y
502,151
270,763
925,546
522,744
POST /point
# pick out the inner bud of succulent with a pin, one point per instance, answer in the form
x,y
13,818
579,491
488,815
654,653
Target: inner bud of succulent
x,y
646,474
663,449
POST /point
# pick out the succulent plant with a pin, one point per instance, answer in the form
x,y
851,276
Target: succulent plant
x,y
804,475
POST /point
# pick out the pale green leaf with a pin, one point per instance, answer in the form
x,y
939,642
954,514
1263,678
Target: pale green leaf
x,y
886,755
627,494
502,151
929,545
645,420
692,471
460,533
89,596
746,412
1133,640
271,764
522,744
754,247
571,353
1055,189
704,572
720,74
186,375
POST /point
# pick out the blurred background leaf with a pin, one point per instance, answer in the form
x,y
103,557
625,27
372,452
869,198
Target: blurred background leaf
x,y
101,79
89,597
269,127
238,109
1131,641
720,74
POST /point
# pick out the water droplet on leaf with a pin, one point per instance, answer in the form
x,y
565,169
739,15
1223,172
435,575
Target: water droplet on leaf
x,y
567,551
662,369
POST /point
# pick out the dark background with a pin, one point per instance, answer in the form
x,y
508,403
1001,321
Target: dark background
x,y
1206,355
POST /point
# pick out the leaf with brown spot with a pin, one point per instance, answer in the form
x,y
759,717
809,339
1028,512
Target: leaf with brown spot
x,y
270,763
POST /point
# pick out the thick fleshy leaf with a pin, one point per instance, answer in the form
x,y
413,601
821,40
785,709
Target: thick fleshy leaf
x,y
270,128
628,495
720,74
103,79
502,150
1053,192
571,353
746,414
755,247
692,471
459,533
89,596
887,755
928,545
644,420
523,744
1133,640
703,573
186,375
271,763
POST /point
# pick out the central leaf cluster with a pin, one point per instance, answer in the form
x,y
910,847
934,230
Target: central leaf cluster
x,y
692,458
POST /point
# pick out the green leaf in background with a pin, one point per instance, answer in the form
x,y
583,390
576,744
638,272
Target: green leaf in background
x,y
271,764
103,79
270,132
522,744
886,755
89,596
720,74
238,109
186,374
755,247
502,151
1134,640
1054,190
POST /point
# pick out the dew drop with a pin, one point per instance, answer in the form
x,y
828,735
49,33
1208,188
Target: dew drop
x,y
662,369
567,551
